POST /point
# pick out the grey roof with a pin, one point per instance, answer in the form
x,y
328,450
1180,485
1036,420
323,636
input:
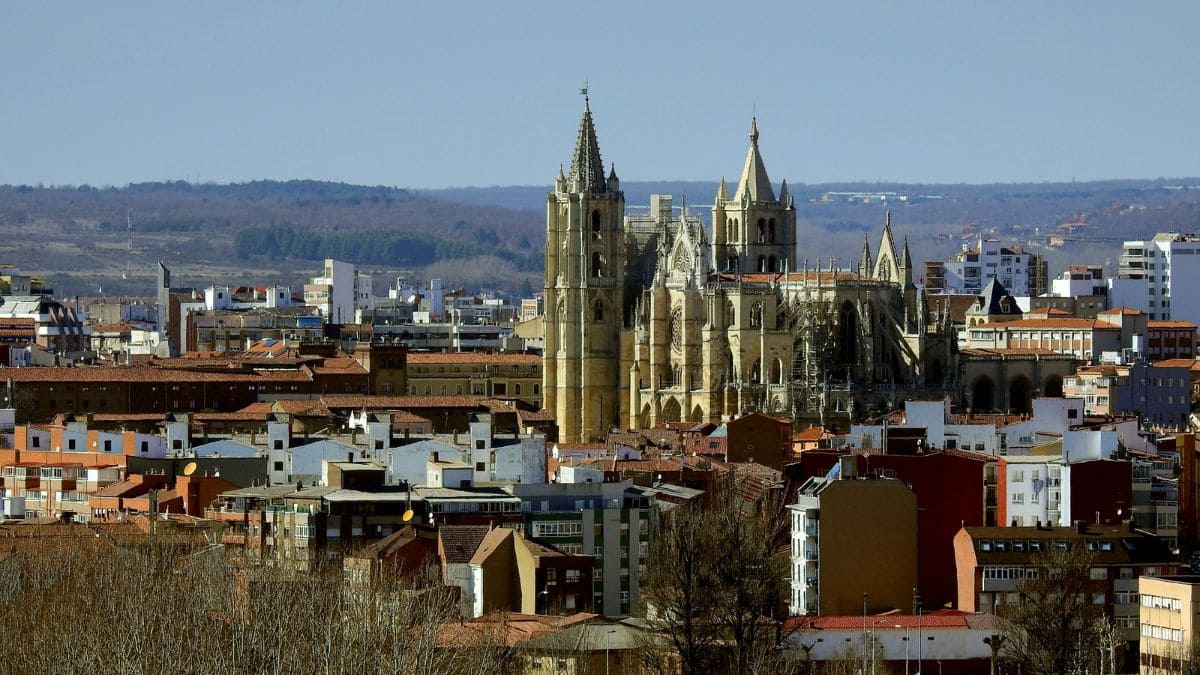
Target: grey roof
x,y
991,298
225,448
262,491
344,495
590,637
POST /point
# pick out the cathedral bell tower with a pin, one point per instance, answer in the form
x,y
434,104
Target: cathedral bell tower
x,y
754,231
585,276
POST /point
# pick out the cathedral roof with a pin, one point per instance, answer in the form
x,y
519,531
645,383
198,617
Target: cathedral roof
x,y
754,185
587,169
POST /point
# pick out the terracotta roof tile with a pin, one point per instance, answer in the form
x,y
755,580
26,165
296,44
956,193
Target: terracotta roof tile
x,y
1057,322
435,358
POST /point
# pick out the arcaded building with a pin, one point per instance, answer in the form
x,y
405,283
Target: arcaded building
x,y
648,321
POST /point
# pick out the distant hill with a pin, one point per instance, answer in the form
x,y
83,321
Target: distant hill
x,y
493,237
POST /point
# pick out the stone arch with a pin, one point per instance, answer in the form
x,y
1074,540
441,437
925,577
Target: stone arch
x,y
762,263
776,404
847,334
671,412
730,367
730,313
983,393
598,311
644,417
1020,393
756,372
597,264
697,415
762,231
1052,386
517,389
596,222
771,231
777,372
772,265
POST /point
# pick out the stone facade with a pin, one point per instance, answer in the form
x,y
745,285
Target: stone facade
x,y
648,322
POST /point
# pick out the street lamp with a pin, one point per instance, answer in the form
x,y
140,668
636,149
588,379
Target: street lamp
x,y
906,648
607,642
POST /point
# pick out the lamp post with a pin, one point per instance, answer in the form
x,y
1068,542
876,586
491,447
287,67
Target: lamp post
x,y
866,634
906,648
607,642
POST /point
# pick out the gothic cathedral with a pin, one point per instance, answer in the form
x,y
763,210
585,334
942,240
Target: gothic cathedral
x,y
648,322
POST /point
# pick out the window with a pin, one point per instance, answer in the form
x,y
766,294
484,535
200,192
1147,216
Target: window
x,y
71,444
573,576
480,466
1099,573
1018,498
279,466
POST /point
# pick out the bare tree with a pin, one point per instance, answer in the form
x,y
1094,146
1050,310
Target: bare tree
x,y
715,576
1054,628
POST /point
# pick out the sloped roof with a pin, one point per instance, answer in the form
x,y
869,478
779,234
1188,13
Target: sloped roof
x,y
459,542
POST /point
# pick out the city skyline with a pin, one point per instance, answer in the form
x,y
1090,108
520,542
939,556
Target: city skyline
x,y
437,96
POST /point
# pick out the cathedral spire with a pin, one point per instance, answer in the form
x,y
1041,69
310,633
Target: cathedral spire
x,y
722,191
905,257
587,169
755,186
864,263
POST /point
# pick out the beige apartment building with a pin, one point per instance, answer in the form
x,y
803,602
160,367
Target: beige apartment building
x,y
1168,623
503,376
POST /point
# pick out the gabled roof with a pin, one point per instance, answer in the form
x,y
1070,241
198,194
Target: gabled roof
x,y
459,542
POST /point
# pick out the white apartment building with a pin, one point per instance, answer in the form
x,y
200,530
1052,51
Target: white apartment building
x,y
339,292
1159,277
1020,272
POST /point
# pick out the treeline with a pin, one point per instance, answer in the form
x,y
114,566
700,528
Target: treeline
x,y
373,247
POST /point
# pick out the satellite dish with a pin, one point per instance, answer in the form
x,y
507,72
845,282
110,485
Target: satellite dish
x,y
1119,513
189,469
408,515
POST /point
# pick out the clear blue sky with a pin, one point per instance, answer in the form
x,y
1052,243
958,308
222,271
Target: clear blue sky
x,y
434,94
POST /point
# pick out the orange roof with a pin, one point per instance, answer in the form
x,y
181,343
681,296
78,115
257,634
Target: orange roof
x,y
436,358
1170,324
372,402
1127,311
1192,364
810,434
145,374
1063,322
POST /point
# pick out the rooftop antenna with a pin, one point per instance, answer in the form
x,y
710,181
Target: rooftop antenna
x,y
129,231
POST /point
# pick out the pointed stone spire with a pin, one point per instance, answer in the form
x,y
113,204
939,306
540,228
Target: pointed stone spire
x,y
864,263
905,257
754,185
784,197
587,169
722,192
614,183
560,181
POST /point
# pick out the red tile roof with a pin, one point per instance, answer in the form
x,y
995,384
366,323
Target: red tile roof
x,y
1164,325
436,358
1052,323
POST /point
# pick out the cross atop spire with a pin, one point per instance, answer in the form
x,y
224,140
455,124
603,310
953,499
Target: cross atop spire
x,y
587,169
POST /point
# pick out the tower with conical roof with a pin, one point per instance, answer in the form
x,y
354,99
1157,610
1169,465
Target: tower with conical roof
x,y
585,278
754,231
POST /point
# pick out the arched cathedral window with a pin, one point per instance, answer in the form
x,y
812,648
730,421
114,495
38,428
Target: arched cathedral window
x,y
762,231
597,264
